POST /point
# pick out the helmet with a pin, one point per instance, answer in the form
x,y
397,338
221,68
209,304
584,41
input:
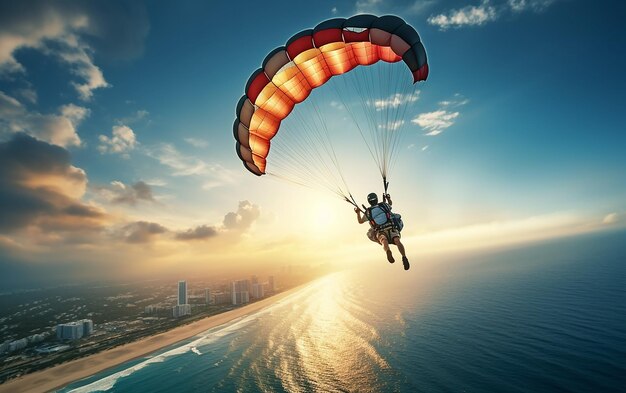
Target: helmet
x,y
372,198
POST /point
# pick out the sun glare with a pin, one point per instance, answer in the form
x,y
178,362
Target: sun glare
x,y
321,219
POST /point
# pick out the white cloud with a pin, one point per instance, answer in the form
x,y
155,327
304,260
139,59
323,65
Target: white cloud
x,y
485,12
334,10
211,175
74,113
195,142
466,16
28,94
9,106
53,33
611,218
435,122
71,32
368,6
50,26
141,232
77,56
336,105
133,118
396,100
425,148
381,7
121,141
183,165
120,193
534,5
58,129
457,100
156,182
217,177
391,125
419,6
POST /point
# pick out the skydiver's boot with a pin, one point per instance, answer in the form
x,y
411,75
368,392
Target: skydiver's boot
x,y
405,262
390,256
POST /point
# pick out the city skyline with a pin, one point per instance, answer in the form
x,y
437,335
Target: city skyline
x,y
38,332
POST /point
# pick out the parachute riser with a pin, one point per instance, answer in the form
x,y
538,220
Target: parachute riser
x,y
386,187
353,203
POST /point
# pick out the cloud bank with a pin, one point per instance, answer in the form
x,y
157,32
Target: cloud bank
x,y
71,32
40,188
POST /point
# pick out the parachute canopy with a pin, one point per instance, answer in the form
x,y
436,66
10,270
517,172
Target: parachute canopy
x,y
308,60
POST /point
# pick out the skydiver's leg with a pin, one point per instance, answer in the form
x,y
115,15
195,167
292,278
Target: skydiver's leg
x,y
383,240
398,243
405,260
385,244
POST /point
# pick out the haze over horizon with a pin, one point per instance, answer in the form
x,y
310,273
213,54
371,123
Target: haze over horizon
x,y
117,158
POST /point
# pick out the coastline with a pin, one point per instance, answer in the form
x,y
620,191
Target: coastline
x,y
64,374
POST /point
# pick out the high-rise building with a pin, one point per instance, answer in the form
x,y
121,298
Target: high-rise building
x,y
17,345
254,280
221,298
182,292
258,291
181,310
87,327
207,296
74,330
240,292
272,283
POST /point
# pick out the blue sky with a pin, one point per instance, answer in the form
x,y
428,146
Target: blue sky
x,y
137,100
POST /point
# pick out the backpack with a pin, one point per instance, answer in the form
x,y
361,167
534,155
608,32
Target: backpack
x,y
375,219
393,218
397,221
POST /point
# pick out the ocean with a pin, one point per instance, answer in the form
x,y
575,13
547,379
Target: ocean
x,y
547,317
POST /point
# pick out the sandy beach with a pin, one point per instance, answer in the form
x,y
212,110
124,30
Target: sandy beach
x,y
66,373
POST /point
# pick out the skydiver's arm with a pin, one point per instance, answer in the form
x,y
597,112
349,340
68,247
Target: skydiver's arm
x,y
360,218
388,197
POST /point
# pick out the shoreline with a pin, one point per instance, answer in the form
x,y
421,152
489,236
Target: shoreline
x,y
64,374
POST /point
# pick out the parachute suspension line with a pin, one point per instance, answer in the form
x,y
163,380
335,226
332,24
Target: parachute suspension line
x,y
306,139
410,96
330,150
328,147
375,97
350,111
398,98
296,150
290,180
360,85
369,107
304,150
384,96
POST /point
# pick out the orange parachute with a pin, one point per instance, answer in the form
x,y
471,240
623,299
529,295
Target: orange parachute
x,y
308,60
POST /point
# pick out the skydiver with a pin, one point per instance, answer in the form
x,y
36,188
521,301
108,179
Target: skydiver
x,y
384,229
